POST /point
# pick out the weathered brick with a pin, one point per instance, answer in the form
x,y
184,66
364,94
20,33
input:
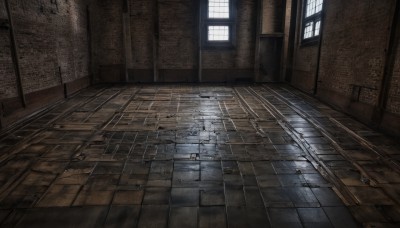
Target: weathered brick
x,y
50,35
353,52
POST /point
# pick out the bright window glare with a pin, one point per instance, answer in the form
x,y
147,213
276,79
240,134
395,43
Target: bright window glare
x,y
312,18
218,33
308,30
218,9
313,7
317,28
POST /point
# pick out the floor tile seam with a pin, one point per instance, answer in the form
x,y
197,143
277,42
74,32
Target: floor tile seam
x,y
363,172
317,163
364,142
69,111
45,111
336,145
78,151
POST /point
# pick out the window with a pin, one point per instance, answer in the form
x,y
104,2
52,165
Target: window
x,y
218,33
218,24
218,9
312,20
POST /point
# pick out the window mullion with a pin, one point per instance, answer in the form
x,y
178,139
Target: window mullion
x,y
219,24
312,15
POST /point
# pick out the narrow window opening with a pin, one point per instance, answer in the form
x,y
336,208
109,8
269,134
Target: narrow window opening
x,y
308,30
312,20
219,24
317,27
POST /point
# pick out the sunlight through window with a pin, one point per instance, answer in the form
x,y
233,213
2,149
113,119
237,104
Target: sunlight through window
x,y
218,33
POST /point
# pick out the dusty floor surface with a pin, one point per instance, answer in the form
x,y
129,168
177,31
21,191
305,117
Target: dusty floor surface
x,y
196,156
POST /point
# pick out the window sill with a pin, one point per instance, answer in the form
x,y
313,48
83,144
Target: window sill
x,y
213,48
310,42
218,46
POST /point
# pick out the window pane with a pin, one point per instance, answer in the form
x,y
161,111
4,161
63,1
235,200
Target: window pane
x,y
310,10
218,8
308,30
318,6
317,28
313,7
218,33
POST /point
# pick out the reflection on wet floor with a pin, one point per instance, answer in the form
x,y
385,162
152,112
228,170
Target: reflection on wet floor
x,y
197,156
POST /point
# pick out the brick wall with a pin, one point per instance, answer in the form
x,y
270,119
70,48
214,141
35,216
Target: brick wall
x,y
353,50
304,58
142,22
8,86
304,66
50,35
286,30
272,42
242,57
107,39
178,39
246,30
353,57
52,44
393,105
272,16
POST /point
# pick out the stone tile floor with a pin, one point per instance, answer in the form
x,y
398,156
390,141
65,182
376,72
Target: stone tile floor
x,y
196,156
